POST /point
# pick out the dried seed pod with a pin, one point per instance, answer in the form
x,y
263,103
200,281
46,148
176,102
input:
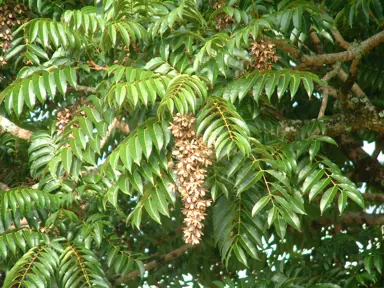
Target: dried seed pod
x,y
263,54
192,157
8,21
222,20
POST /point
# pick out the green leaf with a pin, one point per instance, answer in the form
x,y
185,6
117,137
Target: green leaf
x,y
294,84
235,164
368,264
356,197
308,85
312,179
18,101
327,198
145,142
283,84
272,214
318,187
297,17
271,83
61,80
263,201
378,262
152,211
66,158
29,93
280,226
314,149
160,201
37,51
342,201
240,255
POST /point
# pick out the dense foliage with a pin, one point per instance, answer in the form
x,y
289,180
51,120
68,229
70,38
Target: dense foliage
x,y
91,164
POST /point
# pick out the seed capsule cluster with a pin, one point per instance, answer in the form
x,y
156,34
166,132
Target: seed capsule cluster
x,y
11,16
263,53
192,157
66,115
222,21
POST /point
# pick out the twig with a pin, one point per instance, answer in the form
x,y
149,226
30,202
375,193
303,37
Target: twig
x,y
379,147
324,103
326,78
115,124
93,66
153,264
350,79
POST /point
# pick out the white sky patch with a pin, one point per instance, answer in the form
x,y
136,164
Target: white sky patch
x,y
370,147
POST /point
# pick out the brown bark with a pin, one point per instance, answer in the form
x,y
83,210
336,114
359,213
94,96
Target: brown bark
x,y
362,218
306,61
4,187
339,39
122,126
350,80
367,168
7,126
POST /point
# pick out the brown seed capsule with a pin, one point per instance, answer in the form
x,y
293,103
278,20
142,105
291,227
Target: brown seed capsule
x,y
192,157
263,53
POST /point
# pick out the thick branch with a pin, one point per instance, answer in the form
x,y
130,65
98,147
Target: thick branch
x,y
354,218
11,128
284,45
348,55
362,218
362,118
153,264
339,39
319,60
374,197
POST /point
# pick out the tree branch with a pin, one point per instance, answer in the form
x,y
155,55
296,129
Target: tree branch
x,y
364,117
367,168
287,47
362,218
353,218
374,197
326,78
317,42
122,126
324,103
339,39
11,128
350,80
319,60
4,187
82,88
153,264
348,55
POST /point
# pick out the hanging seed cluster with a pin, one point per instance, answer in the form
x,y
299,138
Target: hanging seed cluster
x,y
222,21
263,54
11,16
192,157
65,115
